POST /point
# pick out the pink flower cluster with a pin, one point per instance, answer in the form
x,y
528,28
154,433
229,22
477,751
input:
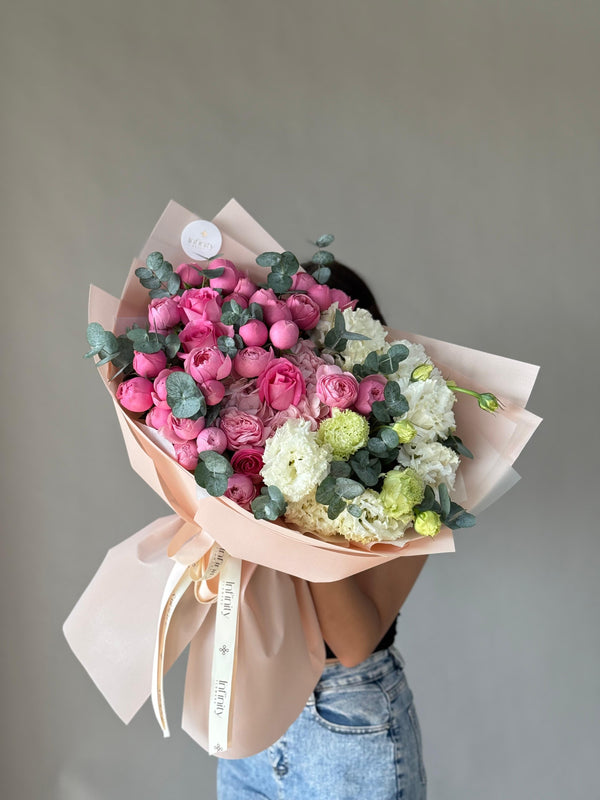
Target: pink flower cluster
x,y
276,376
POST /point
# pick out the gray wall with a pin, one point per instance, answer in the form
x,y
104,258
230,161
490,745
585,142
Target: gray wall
x,y
453,148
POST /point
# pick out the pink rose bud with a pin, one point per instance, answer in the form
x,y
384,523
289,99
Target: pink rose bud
x,y
186,454
163,314
343,300
273,312
254,333
135,394
305,311
241,428
263,297
242,490
148,365
251,361
240,299
248,460
190,274
207,363
321,294
211,439
158,415
284,334
213,392
281,385
200,304
336,388
302,282
245,286
186,429
370,389
160,382
228,280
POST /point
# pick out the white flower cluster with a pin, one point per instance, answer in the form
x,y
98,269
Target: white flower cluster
x,y
293,461
416,357
432,461
374,524
358,321
430,408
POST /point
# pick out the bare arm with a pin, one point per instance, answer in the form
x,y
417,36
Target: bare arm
x,y
355,612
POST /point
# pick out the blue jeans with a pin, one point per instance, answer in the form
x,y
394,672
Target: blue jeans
x,y
357,738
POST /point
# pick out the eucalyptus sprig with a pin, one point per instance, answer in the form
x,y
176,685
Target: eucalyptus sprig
x,y
283,266
384,364
338,337
118,349
158,276
270,504
452,514
336,489
184,396
213,472
323,258
394,404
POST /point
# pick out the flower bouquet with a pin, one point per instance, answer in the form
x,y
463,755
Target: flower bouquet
x,y
295,438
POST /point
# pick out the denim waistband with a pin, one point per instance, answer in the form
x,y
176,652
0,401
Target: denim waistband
x,y
376,666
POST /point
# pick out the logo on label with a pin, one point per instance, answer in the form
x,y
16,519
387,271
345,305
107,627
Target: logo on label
x,y
220,697
201,239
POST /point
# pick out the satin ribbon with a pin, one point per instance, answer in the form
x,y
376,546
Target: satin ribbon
x,y
228,570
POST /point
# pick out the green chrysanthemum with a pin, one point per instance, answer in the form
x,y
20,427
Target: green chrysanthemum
x,y
401,491
345,432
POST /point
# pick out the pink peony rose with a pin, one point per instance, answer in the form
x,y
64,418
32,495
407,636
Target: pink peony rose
x,y
158,414
305,311
207,364
148,365
135,394
302,281
254,333
248,460
202,333
336,388
186,454
245,286
228,280
211,439
213,391
163,314
321,294
343,300
281,384
179,429
241,428
284,334
200,304
190,273
370,389
242,490
273,312
240,299
263,297
251,361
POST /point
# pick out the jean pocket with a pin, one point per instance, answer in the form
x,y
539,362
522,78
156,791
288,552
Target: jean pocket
x,y
363,708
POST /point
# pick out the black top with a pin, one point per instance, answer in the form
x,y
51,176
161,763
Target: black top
x,y
387,641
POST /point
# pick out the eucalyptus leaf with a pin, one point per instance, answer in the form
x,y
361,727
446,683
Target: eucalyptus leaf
x,y
444,500
173,283
323,258
172,345
340,469
356,337
389,361
380,412
335,508
395,401
212,472
353,509
347,488
289,263
255,310
325,240
155,293
279,282
322,274
213,272
268,259
184,396
154,260
326,490
377,446
389,437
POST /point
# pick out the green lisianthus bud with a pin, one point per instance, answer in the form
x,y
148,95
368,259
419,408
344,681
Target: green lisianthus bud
x,y
488,402
405,429
345,432
427,523
401,490
421,373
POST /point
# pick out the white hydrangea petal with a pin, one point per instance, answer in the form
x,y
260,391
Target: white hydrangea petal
x,y
432,461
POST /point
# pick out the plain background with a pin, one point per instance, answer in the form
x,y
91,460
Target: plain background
x,y
453,149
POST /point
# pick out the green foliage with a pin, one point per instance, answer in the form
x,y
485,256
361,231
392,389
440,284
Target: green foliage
x,y
384,364
335,490
109,347
270,504
227,345
366,467
325,240
337,337
213,472
456,444
158,276
145,341
184,396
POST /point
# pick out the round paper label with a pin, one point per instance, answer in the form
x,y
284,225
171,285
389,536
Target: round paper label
x,y
201,240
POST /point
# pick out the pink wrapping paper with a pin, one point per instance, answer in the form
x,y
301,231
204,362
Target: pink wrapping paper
x,y
280,650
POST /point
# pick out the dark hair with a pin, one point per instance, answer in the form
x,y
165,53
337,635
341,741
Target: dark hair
x,y
349,281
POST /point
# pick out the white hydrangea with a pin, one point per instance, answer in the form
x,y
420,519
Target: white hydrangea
x,y
416,356
432,461
293,461
430,408
357,321
374,525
